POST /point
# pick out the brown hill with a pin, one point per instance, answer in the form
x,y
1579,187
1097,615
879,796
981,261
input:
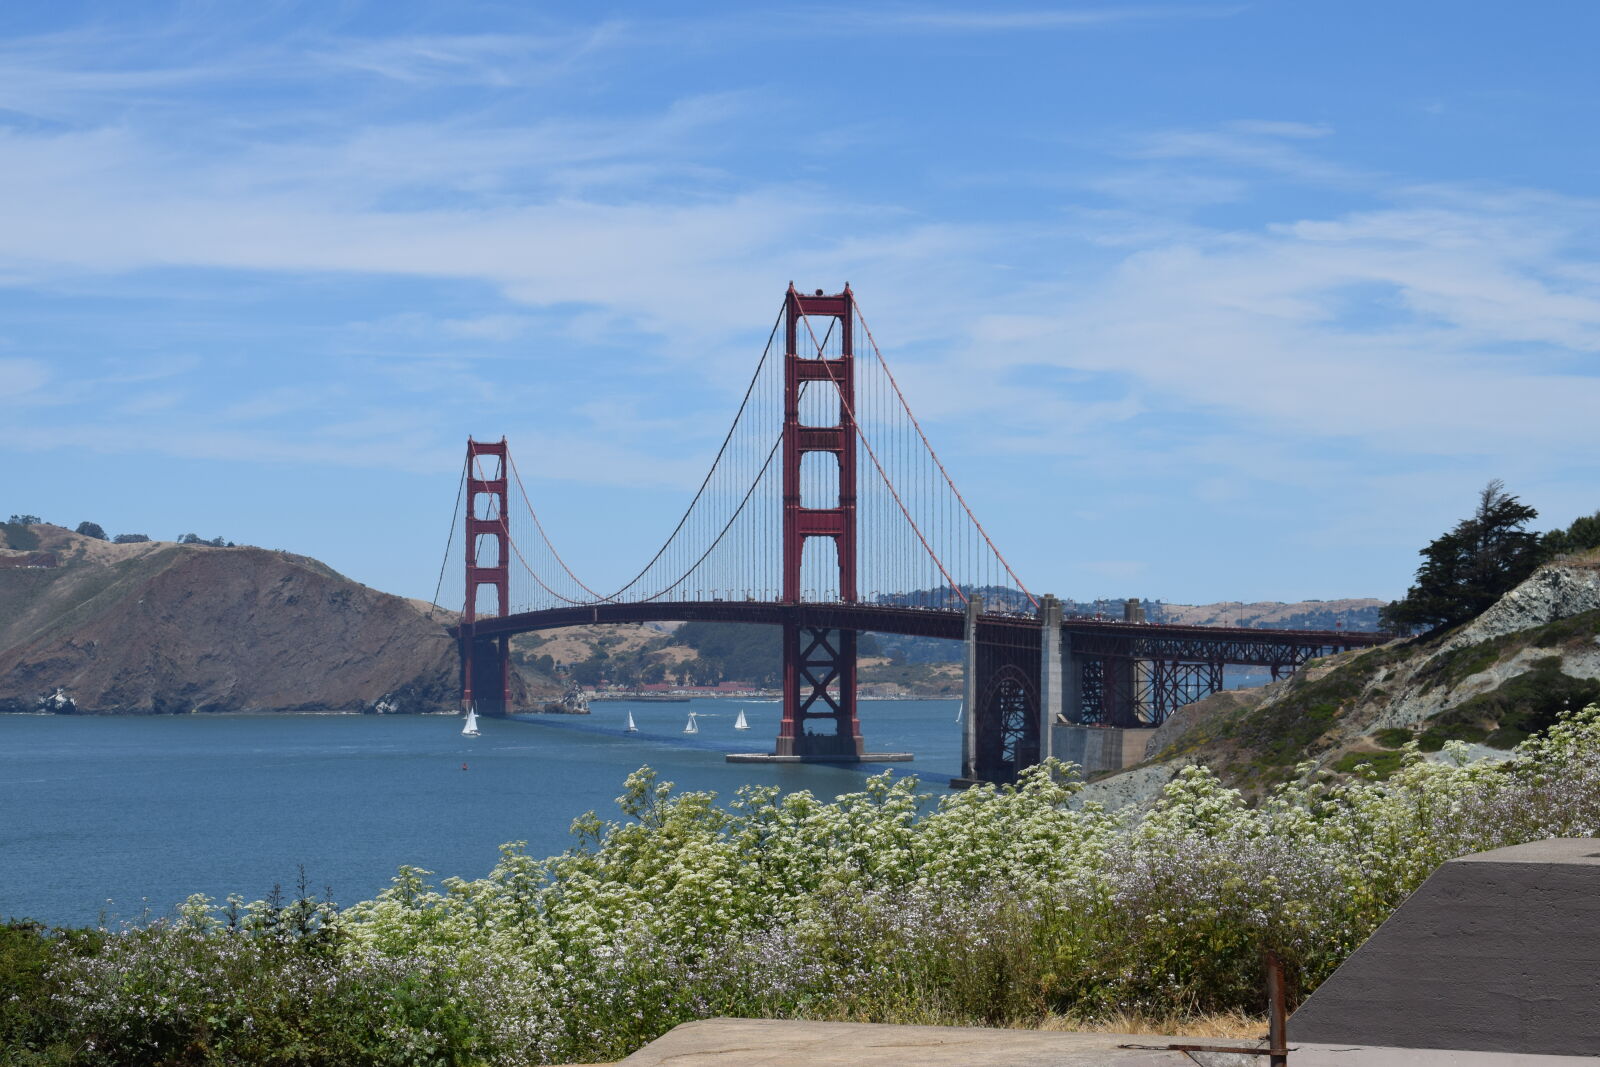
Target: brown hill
x,y
162,627
1356,613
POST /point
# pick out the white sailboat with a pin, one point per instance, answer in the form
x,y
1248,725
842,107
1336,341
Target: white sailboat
x,y
961,710
630,728
691,727
470,728
740,723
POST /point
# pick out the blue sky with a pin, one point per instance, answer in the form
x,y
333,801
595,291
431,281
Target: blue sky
x,y
1198,301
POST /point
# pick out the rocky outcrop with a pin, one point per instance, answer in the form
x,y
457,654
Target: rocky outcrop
x,y
1490,683
161,627
1555,592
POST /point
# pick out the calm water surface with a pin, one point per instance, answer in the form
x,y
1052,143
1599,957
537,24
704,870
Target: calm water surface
x,y
117,815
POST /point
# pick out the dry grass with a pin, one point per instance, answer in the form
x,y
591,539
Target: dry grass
x,y
1236,1024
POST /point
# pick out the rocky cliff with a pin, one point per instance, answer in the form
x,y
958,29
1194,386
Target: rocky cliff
x,y
159,627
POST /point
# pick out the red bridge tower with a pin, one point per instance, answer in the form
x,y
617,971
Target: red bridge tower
x,y
486,662
819,664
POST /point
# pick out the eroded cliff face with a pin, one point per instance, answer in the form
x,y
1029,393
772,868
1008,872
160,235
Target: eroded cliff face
x,y
1489,684
160,627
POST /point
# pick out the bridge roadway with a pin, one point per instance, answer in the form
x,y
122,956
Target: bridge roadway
x,y
1232,645
1019,685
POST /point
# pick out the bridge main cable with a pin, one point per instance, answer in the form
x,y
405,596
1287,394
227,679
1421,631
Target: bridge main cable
x,y
937,462
682,521
856,425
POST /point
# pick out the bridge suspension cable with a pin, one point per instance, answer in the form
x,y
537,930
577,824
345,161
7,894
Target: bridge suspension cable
x,y
934,455
918,541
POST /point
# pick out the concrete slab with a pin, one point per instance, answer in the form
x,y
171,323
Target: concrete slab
x,y
787,1043
1498,952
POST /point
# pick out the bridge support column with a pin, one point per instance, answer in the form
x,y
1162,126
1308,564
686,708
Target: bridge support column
x,y
819,665
819,682
1006,724
1051,687
1071,681
486,662
969,689
486,673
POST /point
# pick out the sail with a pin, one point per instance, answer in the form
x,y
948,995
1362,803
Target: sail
x,y
692,727
631,728
740,723
470,729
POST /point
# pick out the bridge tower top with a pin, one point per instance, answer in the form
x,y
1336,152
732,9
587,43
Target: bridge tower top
x,y
819,358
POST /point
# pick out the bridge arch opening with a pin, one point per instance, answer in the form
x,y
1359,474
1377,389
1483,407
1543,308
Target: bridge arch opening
x,y
485,506
486,602
819,480
820,404
819,570
488,466
486,551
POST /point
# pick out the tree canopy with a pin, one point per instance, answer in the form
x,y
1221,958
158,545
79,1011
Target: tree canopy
x,y
91,529
1467,569
1581,536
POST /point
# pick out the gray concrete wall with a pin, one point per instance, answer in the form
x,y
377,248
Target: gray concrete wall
x,y
1051,689
1497,952
969,687
1099,748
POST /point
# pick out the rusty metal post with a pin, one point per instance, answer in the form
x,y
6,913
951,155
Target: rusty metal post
x,y
1277,1013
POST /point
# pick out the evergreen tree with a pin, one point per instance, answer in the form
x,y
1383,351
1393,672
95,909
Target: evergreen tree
x,y
1468,569
91,529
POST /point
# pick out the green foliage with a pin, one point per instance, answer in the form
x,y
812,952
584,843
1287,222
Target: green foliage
x,y
18,536
1517,708
1282,732
91,529
990,905
1438,734
1394,737
24,520
1582,536
31,1022
196,539
1448,669
1379,765
1466,570
131,539
735,651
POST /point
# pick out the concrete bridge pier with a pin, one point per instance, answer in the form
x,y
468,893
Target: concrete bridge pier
x,y
1053,670
486,672
969,690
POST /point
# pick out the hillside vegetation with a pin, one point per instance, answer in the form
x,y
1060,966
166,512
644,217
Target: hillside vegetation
x,y
1492,683
162,627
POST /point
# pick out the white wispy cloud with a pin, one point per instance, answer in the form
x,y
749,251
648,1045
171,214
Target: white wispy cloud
x,y
991,20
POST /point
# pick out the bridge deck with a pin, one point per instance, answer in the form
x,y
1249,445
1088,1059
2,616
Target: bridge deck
x,y
1217,644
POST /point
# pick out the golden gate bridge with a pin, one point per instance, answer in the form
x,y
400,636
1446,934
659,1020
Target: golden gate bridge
x,y
827,512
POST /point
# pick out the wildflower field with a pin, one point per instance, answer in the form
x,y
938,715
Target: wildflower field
x,y
989,906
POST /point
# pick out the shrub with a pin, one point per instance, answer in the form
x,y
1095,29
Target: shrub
x,y
1394,737
993,905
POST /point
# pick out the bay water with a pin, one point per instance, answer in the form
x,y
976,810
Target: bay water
x,y
121,817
